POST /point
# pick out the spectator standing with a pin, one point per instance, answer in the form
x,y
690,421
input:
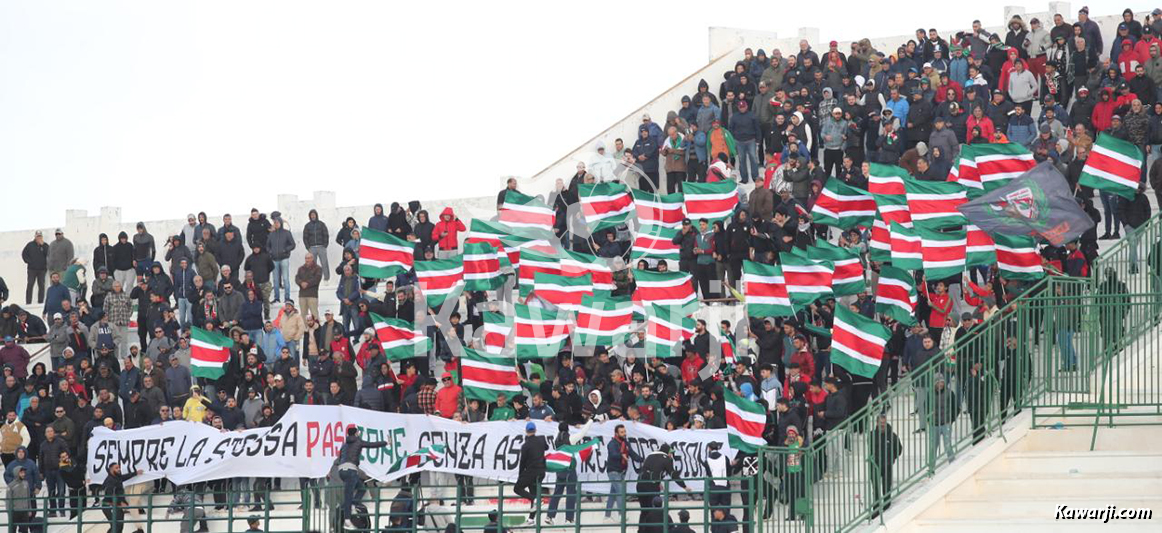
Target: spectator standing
x,y
315,240
35,256
280,243
60,253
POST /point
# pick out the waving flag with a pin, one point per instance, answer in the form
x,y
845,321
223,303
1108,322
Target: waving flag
x,y
399,338
666,328
485,376
887,180
944,252
906,248
497,327
530,264
522,211
747,420
483,231
540,333
1017,257
565,292
933,204
440,278
998,163
894,208
605,205
1113,166
481,267
896,294
843,206
665,288
879,246
565,457
666,211
382,255
578,264
765,290
712,201
209,353
981,250
656,242
415,461
857,342
1039,202
848,276
604,320
807,280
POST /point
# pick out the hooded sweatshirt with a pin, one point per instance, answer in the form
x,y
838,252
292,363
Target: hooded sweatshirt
x,y
446,232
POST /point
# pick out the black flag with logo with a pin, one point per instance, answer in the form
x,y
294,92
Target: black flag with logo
x,y
1037,202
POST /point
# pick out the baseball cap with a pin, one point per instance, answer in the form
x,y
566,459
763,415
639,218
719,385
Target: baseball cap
x,y
8,338
59,232
56,316
966,316
446,375
39,234
530,427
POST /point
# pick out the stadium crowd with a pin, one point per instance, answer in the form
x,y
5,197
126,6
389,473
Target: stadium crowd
x,y
783,123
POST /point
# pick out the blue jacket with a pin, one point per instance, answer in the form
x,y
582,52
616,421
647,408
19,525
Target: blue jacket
x,y
700,146
1022,130
33,473
250,316
615,459
53,298
744,126
958,70
271,344
183,282
899,108
646,147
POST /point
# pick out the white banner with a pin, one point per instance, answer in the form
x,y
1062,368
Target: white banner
x,y
305,442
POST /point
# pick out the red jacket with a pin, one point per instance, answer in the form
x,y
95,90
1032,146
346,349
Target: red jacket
x,y
690,368
942,90
448,400
986,126
941,306
447,230
806,363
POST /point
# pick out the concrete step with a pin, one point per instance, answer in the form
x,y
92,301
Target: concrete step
x,y
1035,505
955,525
1073,463
1078,439
1006,485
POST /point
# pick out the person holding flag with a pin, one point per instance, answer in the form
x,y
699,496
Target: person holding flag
x,y
567,475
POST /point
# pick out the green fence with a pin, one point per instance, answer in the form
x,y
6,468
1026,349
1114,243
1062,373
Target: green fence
x,y
400,506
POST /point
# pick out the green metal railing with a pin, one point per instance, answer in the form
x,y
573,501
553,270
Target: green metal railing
x,y
400,506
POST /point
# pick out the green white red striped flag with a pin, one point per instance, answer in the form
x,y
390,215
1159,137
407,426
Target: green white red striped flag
x,y
933,204
665,288
857,342
399,338
415,461
894,208
565,292
382,255
564,458
604,320
879,246
530,264
980,250
998,163
843,206
605,205
712,201
209,353
848,276
666,328
944,252
528,213
1113,166
765,290
1017,257
963,170
886,179
656,242
579,264
540,333
807,280
497,327
481,267
747,420
666,210
907,250
484,376
896,294
440,278
483,231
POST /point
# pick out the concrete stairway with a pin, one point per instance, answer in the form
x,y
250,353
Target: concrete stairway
x,y
1049,468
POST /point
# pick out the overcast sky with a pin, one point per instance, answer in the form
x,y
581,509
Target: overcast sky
x,y
164,108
